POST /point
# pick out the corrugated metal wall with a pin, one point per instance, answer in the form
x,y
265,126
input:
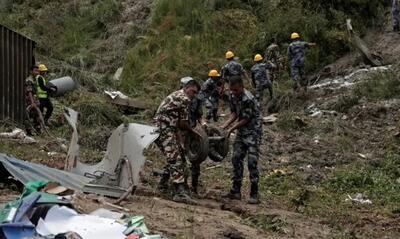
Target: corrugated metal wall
x,y
16,58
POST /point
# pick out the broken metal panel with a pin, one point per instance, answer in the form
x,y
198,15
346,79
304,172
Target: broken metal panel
x,y
25,172
373,58
127,142
16,57
118,98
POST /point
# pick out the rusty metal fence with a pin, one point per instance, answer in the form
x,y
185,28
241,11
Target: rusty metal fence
x,y
16,58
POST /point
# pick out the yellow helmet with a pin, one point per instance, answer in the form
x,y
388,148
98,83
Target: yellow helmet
x,y
258,57
213,73
42,68
229,55
294,35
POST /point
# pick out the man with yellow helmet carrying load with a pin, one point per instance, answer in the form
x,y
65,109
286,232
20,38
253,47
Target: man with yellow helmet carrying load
x,y
43,91
260,77
296,54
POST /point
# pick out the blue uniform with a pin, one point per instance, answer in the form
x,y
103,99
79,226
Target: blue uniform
x,y
210,95
260,79
296,54
248,139
230,69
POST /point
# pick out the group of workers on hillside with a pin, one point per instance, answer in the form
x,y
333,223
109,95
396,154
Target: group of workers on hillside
x,y
37,97
181,111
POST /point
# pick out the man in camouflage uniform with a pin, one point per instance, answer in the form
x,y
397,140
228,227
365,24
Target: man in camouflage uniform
x,y
232,68
171,118
272,54
296,53
210,92
31,102
246,119
395,15
260,77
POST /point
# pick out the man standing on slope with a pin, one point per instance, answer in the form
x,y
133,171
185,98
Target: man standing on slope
x,y
232,68
272,54
260,77
246,119
171,118
210,92
43,91
296,54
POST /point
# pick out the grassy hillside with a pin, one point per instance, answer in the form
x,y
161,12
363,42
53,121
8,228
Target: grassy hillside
x,y
188,37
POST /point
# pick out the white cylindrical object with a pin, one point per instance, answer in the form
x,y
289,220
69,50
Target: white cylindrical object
x,y
63,84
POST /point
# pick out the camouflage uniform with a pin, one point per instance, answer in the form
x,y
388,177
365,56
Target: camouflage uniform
x,y
272,54
31,117
261,80
172,109
248,139
395,15
296,53
209,93
232,68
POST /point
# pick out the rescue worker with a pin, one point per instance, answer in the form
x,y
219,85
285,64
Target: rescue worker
x,y
246,119
195,110
31,103
395,15
232,68
43,91
260,77
171,119
296,53
210,92
272,54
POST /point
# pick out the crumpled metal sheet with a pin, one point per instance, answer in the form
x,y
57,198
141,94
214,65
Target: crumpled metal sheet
x,y
25,172
127,142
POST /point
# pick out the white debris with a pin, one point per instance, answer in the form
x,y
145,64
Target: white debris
x,y
118,73
270,119
351,79
115,94
362,156
20,135
359,198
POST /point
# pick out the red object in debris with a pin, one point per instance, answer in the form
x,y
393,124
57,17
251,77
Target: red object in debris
x,y
133,236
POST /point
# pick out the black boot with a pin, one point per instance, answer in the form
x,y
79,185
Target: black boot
x,y
234,193
254,199
163,184
181,194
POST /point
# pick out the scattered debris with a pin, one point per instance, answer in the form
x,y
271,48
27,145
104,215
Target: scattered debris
x,y
124,159
118,73
63,85
271,118
214,167
362,156
359,198
118,98
351,79
38,213
20,135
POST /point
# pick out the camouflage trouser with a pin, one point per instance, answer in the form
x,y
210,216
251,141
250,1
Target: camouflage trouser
x,y
396,19
260,87
211,104
245,145
170,147
298,76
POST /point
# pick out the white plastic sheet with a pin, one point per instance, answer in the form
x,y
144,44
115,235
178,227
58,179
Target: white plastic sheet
x,y
62,219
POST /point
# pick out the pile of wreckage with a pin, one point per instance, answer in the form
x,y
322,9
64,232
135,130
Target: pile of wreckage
x,y
46,210
46,207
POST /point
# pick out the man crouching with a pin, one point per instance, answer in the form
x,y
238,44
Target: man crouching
x,y
171,118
